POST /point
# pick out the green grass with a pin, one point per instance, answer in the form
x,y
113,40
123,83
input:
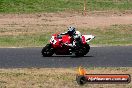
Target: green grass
x,y
113,35
33,6
111,5
24,40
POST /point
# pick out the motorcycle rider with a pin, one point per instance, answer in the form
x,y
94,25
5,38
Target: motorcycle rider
x,y
76,38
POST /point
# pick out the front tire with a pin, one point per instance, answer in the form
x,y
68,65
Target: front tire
x,y
47,51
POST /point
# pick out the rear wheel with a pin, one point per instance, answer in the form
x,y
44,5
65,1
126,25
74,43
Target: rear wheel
x,y
47,51
79,52
82,50
86,48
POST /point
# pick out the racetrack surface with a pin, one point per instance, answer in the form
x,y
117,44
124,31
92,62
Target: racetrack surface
x,y
116,56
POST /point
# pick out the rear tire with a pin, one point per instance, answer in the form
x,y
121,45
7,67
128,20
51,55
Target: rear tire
x,y
47,51
82,50
87,48
79,53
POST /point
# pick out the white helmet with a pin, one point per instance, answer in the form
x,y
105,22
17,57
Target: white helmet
x,y
71,30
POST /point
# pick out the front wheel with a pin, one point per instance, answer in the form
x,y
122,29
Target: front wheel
x,y
47,51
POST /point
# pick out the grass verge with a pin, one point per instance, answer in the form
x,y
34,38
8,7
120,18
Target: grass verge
x,y
33,6
56,77
113,35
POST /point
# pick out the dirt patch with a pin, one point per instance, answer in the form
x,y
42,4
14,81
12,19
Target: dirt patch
x,y
43,22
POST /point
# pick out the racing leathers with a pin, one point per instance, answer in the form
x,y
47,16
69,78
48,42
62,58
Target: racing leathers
x,y
76,38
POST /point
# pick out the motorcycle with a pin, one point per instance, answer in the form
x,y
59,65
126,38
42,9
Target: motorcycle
x,y
59,45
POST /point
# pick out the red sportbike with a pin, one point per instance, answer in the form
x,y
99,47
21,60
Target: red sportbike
x,y
59,45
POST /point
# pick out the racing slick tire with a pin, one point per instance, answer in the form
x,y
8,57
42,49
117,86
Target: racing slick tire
x,y
86,48
82,50
79,52
47,51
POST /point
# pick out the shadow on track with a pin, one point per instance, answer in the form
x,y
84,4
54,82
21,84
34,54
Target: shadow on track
x,y
68,56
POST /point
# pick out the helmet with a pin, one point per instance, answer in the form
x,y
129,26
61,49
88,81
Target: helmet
x,y
71,31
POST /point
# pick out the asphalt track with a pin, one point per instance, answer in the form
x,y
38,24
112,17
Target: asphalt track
x,y
119,56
